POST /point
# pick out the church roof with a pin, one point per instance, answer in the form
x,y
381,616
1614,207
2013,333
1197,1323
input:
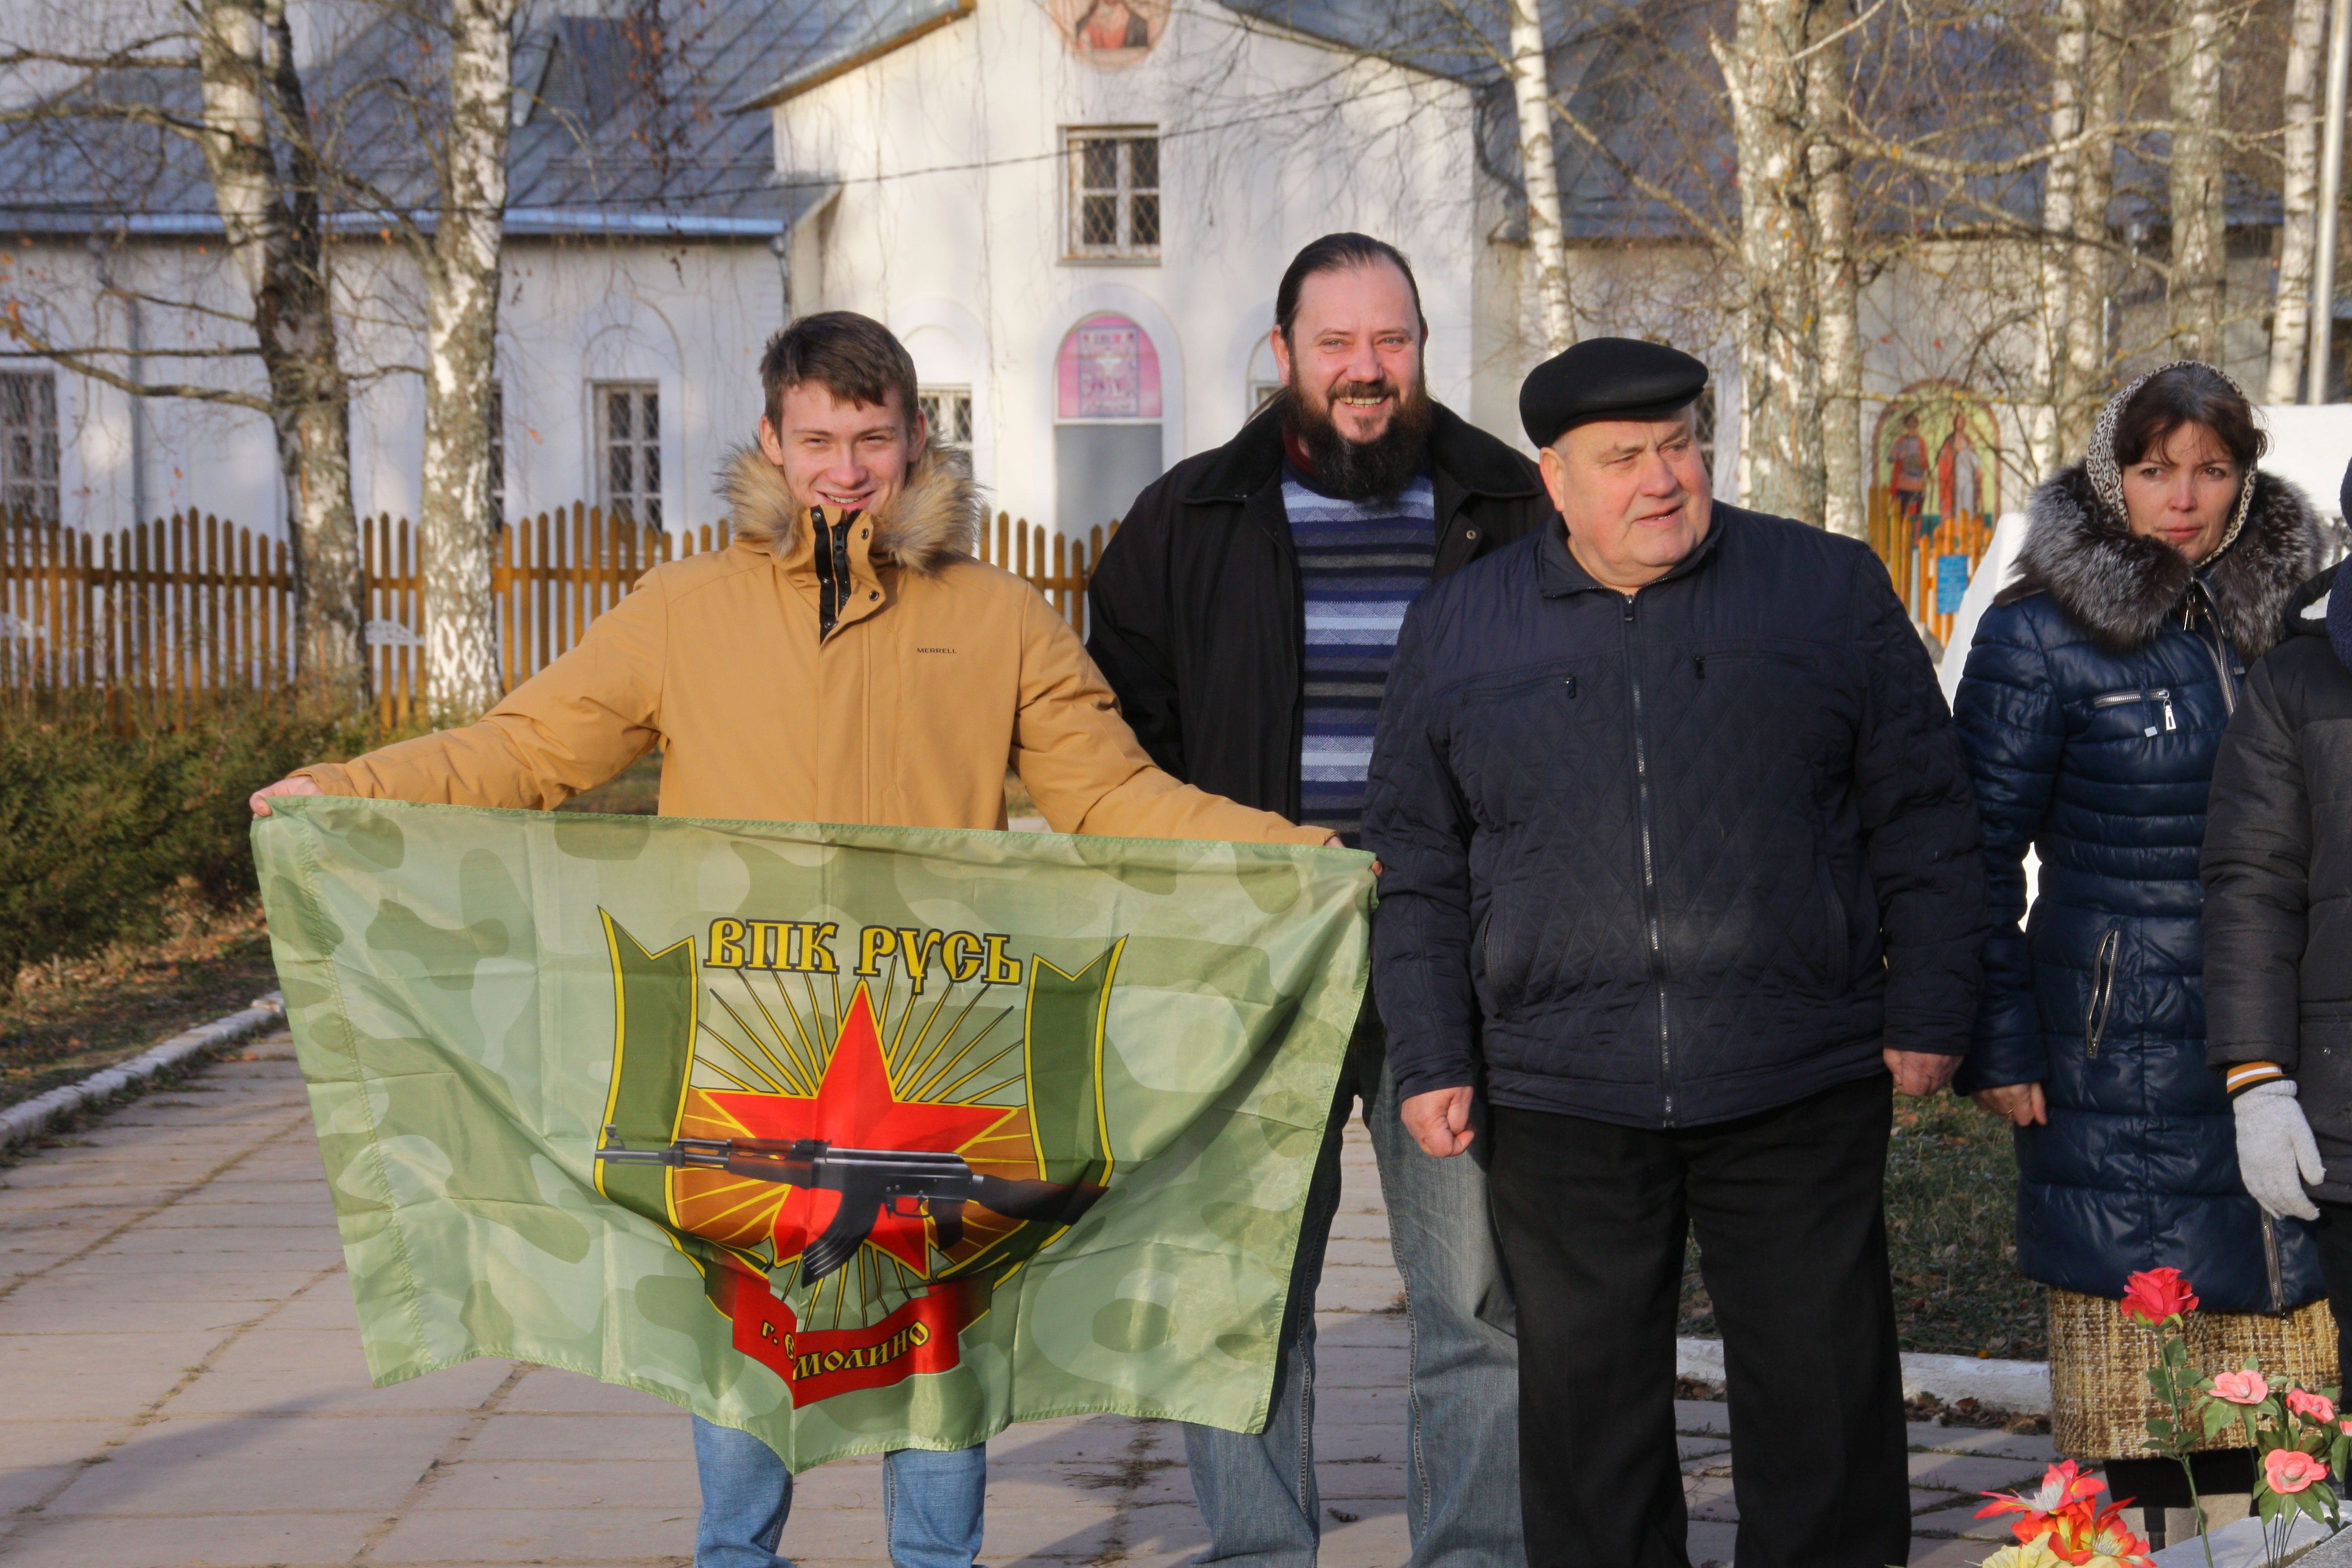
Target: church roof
x,y
629,118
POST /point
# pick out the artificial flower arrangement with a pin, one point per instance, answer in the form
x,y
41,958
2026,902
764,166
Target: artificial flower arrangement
x,y
2062,1524
2298,1438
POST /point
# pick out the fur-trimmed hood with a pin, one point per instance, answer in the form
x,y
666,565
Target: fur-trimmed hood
x,y
2124,589
934,520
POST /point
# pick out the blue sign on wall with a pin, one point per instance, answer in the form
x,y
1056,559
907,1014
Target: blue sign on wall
x,y
1951,583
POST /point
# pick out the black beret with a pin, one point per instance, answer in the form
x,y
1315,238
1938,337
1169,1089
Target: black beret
x,y
1607,378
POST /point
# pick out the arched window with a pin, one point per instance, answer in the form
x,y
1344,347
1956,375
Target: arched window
x,y
1107,420
1264,378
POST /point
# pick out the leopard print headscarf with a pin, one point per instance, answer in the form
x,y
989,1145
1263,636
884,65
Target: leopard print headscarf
x,y
2107,480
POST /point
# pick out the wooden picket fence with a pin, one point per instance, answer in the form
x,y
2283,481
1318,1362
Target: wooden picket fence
x,y
1930,570
182,605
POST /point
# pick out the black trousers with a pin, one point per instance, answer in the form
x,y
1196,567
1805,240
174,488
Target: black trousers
x,y
2335,1233
1787,1206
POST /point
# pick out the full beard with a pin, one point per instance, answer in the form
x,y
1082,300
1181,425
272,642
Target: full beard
x,y
1377,469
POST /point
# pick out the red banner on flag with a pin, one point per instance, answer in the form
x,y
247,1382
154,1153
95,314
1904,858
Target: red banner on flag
x,y
817,1364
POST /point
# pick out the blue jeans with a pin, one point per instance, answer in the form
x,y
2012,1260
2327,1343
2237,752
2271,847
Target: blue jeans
x,y
931,1502
1462,1423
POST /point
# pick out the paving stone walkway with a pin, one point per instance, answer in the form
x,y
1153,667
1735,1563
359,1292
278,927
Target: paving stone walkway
x,y
180,1385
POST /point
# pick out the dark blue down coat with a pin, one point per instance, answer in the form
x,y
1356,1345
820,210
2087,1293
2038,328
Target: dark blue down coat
x,y
1676,857
2096,691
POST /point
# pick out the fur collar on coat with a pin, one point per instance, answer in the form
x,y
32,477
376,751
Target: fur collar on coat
x,y
2124,589
935,518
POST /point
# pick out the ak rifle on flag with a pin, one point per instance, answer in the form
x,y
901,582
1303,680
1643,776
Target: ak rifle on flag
x,y
869,1181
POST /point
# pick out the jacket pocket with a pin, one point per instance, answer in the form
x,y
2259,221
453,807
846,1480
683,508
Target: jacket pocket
x,y
1838,971
1503,989
2157,701
2323,1081
2101,1002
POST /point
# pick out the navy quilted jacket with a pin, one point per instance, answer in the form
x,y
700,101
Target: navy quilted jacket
x,y
2096,692
1673,858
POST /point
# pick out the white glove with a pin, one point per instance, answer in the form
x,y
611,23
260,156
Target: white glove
x,y
2276,1155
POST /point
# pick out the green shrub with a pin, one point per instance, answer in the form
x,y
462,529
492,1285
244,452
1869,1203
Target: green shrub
x,y
82,814
100,820
216,762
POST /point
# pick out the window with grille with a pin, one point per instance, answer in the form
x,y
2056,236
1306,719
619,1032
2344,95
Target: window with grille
x,y
1114,195
29,445
629,475
498,422
947,412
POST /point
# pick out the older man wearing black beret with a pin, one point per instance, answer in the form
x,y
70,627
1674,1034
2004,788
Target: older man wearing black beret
x,y
1681,880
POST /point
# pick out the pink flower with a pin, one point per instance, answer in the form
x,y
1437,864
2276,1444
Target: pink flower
x,y
2241,1387
2344,1426
2152,1295
2316,1406
2288,1470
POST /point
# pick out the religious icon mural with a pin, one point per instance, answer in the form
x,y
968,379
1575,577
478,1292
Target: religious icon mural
x,y
1110,34
1108,369
1936,483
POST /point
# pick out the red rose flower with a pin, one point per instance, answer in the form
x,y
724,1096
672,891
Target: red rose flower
x,y
2156,1294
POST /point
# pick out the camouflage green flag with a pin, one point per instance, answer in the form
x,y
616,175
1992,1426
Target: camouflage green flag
x,y
855,1138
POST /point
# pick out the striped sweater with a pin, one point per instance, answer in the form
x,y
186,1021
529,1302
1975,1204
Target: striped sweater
x,y
1362,564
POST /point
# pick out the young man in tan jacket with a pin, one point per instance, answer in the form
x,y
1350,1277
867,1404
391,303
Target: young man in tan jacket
x,y
844,660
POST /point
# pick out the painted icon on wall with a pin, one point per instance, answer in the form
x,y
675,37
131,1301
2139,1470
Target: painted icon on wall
x,y
1108,369
1934,491
1110,34
1937,455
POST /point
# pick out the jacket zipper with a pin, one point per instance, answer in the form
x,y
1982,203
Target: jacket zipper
x,y
2270,1262
2123,699
1649,866
2102,990
834,583
2213,650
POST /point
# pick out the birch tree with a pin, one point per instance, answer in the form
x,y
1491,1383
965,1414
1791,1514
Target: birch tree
x,y
2195,292
460,363
2070,340
1765,79
271,217
252,123
2298,202
1530,75
1836,286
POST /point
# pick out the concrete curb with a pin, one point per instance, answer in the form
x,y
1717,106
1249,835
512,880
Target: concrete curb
x,y
2020,1386
2240,1545
2336,1552
34,1117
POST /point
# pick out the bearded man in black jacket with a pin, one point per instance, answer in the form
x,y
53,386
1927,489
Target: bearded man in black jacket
x,y
1680,866
1245,615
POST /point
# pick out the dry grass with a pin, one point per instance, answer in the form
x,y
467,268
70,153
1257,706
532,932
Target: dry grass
x,y
1951,1231
72,1018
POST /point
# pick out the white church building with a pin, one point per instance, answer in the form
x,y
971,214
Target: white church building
x,y
1073,212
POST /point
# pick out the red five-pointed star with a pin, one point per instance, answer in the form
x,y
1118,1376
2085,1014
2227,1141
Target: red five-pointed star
x,y
854,1108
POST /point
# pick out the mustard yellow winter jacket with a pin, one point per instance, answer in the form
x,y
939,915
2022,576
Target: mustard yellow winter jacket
x,y
939,672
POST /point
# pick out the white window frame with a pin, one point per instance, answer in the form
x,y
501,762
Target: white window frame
x,y
939,401
496,499
641,445
1135,207
29,451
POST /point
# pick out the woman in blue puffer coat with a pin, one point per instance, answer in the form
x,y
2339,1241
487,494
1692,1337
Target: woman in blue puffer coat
x,y
2096,691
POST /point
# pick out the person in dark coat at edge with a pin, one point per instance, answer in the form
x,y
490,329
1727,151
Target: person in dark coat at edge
x,y
2278,942
2094,701
1681,877
1244,614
